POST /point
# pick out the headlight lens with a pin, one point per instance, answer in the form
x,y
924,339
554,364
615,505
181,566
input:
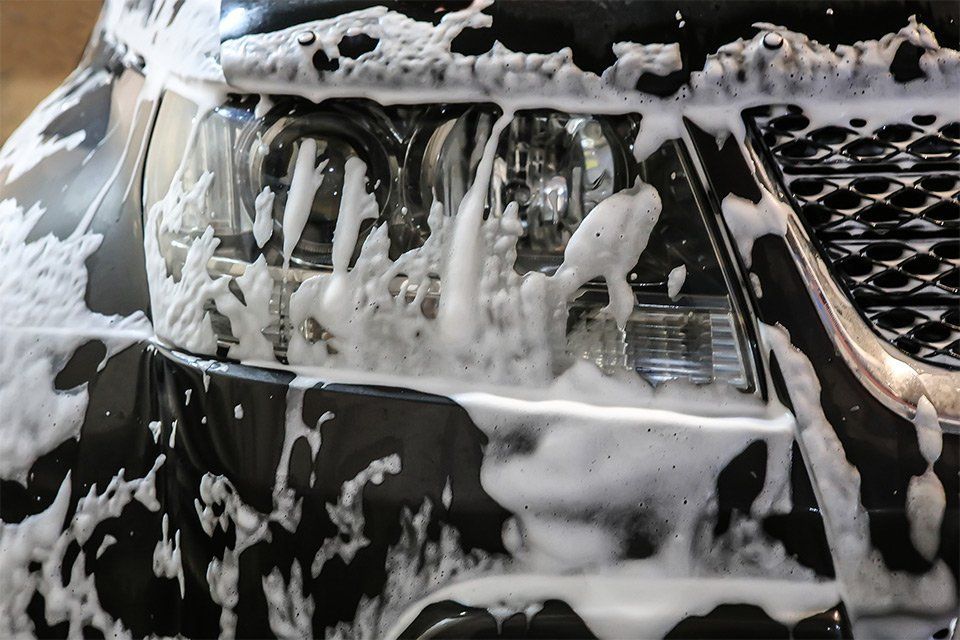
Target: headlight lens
x,y
556,166
418,165
272,149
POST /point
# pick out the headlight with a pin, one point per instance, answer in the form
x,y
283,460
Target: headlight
x,y
274,190
272,148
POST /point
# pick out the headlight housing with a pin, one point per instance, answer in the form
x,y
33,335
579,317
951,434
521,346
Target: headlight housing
x,y
409,169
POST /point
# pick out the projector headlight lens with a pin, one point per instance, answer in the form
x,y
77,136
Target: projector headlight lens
x,y
272,148
556,166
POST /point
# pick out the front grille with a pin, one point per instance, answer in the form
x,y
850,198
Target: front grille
x,y
882,203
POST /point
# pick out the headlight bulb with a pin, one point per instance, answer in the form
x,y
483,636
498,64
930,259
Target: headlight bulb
x,y
556,167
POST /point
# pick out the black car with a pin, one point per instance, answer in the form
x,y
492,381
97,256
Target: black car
x,y
512,319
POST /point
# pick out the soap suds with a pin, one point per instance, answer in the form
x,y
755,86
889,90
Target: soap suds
x,y
68,591
347,514
249,318
416,565
178,307
219,506
609,604
756,285
926,499
748,221
108,541
675,280
29,145
155,426
457,311
608,244
166,556
263,220
223,577
44,319
290,612
447,496
595,472
307,178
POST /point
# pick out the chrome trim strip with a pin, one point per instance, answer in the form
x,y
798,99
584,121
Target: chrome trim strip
x,y
891,376
734,275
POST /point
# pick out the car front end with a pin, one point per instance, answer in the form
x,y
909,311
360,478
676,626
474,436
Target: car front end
x,y
486,319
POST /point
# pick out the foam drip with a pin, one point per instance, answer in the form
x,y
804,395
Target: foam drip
x,y
43,285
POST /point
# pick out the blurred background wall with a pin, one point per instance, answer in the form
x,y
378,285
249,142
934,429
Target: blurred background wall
x,y
40,43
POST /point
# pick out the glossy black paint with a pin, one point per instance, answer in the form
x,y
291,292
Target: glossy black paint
x,y
879,443
449,619
434,438
115,437
741,621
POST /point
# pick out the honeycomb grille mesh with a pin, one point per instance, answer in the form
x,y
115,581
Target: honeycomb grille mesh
x,y
883,205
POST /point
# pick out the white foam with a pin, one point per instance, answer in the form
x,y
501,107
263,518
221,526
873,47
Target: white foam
x,y
223,577
45,538
347,514
249,318
593,474
627,607
289,611
675,280
44,318
179,306
748,221
107,542
415,566
607,244
167,562
263,220
461,269
307,178
28,145
868,586
926,498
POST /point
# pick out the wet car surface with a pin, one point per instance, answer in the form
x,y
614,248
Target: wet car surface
x,y
333,319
